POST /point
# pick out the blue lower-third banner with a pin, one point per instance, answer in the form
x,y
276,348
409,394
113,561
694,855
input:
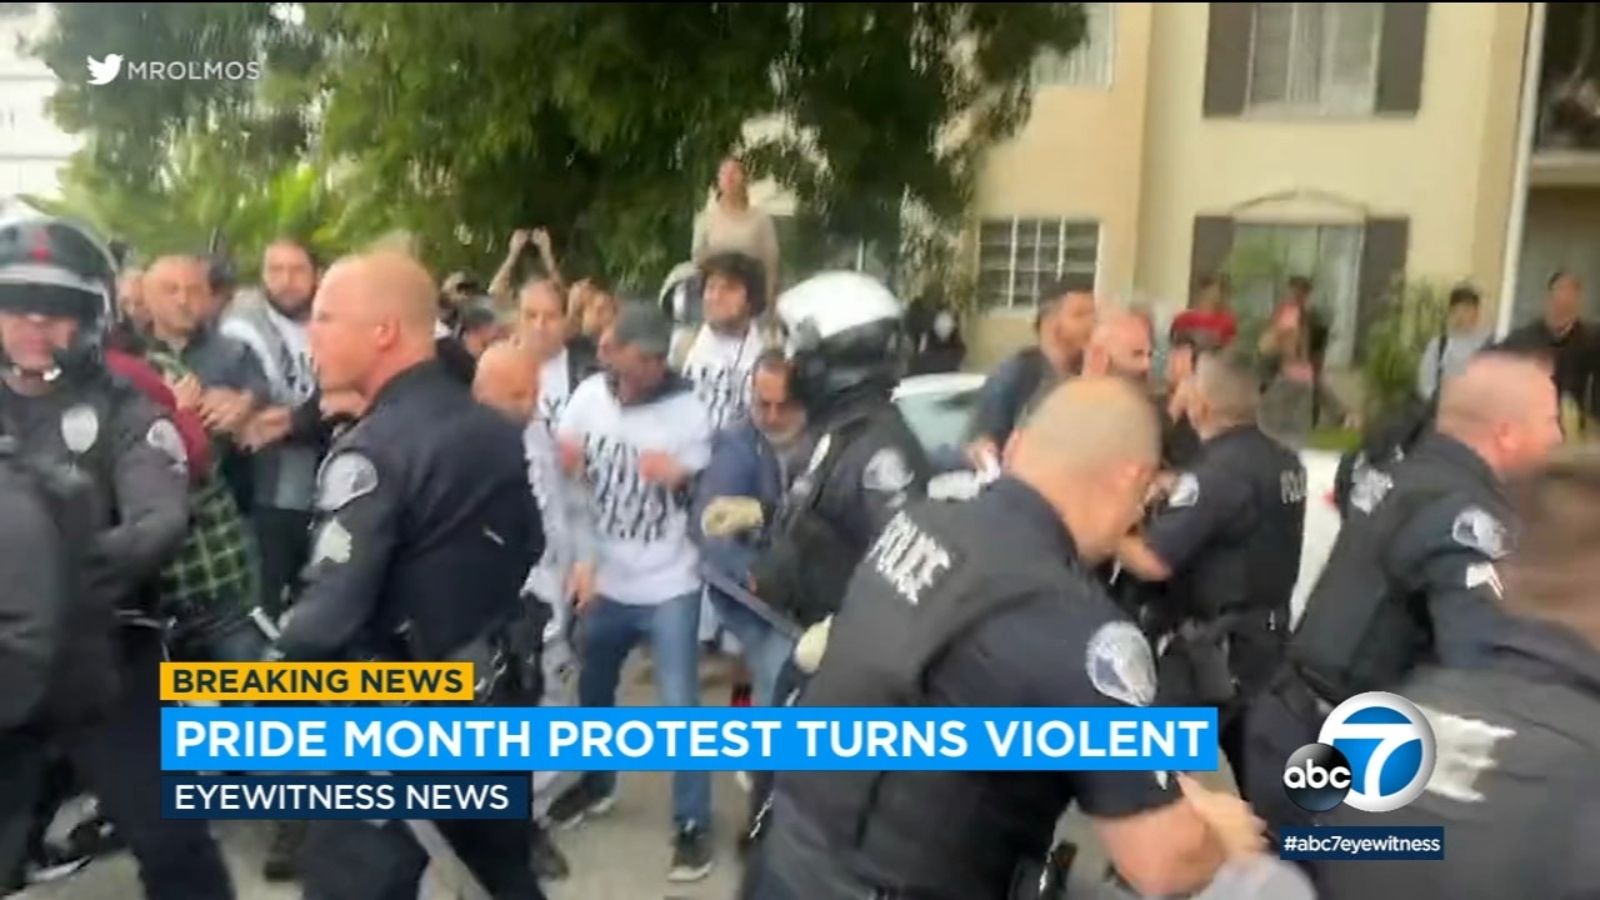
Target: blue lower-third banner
x,y
1362,842
435,796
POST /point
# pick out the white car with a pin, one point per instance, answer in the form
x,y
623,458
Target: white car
x,y
939,407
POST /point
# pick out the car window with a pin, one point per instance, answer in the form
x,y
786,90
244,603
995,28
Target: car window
x,y
940,423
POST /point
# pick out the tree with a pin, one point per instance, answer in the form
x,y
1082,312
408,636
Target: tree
x,y
603,122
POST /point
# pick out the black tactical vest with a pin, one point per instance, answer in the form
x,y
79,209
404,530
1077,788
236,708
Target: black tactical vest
x,y
931,577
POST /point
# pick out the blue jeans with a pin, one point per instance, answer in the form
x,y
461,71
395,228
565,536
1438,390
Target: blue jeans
x,y
765,649
609,631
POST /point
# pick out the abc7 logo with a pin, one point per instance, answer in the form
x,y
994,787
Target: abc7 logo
x,y
1390,744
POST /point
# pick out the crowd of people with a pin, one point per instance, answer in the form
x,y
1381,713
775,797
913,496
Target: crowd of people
x,y
359,460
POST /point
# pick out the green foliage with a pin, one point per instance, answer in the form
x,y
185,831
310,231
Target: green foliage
x,y
602,122
1396,341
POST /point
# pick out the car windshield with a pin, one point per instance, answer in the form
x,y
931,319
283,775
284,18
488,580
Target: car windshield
x,y
939,420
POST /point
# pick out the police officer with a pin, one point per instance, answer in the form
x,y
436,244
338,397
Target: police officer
x,y
422,542
846,344
1227,543
67,412
990,603
1514,777
1411,576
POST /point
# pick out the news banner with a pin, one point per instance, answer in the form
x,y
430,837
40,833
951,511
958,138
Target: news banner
x,y
403,741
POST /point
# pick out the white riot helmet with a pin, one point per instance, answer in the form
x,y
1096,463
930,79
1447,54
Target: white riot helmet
x,y
845,337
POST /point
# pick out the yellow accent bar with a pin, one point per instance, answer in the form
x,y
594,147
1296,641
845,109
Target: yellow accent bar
x,y
281,681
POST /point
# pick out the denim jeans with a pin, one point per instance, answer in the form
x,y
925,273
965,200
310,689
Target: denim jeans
x,y
765,649
609,631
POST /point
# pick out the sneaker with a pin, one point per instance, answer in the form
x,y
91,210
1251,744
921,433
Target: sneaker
x,y
691,855
282,853
548,862
579,803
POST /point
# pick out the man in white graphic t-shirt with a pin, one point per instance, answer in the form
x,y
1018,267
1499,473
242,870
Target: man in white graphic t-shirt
x,y
720,357
637,436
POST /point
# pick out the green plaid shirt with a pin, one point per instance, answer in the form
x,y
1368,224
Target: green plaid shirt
x,y
217,569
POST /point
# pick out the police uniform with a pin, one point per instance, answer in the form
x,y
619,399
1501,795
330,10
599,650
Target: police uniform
x,y
864,467
1411,579
1514,783
1230,534
424,538
976,604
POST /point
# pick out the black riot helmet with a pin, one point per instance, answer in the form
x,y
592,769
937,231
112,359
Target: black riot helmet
x,y
54,267
845,338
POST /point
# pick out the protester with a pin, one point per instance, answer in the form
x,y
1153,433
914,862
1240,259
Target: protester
x,y
1458,339
1571,342
730,224
638,436
1119,345
502,285
1208,315
1180,445
1066,318
940,348
134,319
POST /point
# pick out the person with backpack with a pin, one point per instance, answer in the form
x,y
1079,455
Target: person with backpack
x,y
1066,320
1459,338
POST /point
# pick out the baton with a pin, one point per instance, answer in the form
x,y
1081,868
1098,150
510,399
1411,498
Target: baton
x,y
458,876
742,595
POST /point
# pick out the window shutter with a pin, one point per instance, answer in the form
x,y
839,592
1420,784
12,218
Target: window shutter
x,y
1383,257
1400,56
1227,58
1213,241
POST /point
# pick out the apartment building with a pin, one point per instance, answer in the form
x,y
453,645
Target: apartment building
x,y
32,148
1350,141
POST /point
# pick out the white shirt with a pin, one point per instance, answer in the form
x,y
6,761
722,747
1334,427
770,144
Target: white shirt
x,y
547,579
643,552
719,366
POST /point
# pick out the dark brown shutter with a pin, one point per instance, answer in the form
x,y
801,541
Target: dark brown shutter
x,y
1228,58
1400,56
1383,258
1213,241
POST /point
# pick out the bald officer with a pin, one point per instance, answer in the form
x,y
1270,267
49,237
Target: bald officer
x,y
991,603
426,529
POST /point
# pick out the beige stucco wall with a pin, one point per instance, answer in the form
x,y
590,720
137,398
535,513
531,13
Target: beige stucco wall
x,y
1438,169
1078,156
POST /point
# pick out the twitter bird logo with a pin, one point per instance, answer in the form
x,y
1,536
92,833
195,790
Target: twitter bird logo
x,y
104,71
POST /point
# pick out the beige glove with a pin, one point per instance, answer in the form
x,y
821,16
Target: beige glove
x,y
728,516
809,649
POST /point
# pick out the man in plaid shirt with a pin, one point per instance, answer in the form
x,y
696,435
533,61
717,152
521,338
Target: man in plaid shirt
x,y
211,585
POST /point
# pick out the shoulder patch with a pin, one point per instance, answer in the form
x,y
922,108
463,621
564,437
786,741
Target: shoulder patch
x,y
1185,492
1120,665
345,478
1476,529
886,472
80,427
163,436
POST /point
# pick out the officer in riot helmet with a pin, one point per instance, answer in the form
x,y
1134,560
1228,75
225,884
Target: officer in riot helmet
x,y
420,550
67,412
1411,576
848,350
992,603
1227,544
1514,780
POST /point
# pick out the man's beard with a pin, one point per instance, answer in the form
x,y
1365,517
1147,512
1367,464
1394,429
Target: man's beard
x,y
298,315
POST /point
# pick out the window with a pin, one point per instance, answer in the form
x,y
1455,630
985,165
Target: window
x,y
1330,255
1017,257
1320,57
1089,63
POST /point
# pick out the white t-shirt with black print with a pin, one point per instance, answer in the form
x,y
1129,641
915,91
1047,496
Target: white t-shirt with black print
x,y
719,366
547,579
643,552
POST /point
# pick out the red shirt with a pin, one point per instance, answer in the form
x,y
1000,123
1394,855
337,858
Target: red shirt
x,y
142,376
1220,324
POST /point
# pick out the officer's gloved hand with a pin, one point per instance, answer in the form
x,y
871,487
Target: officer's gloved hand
x,y
728,516
809,649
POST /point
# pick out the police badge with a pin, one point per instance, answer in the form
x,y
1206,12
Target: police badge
x,y
80,428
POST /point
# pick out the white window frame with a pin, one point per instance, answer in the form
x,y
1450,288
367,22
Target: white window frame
x,y
1323,106
1028,298
1092,63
